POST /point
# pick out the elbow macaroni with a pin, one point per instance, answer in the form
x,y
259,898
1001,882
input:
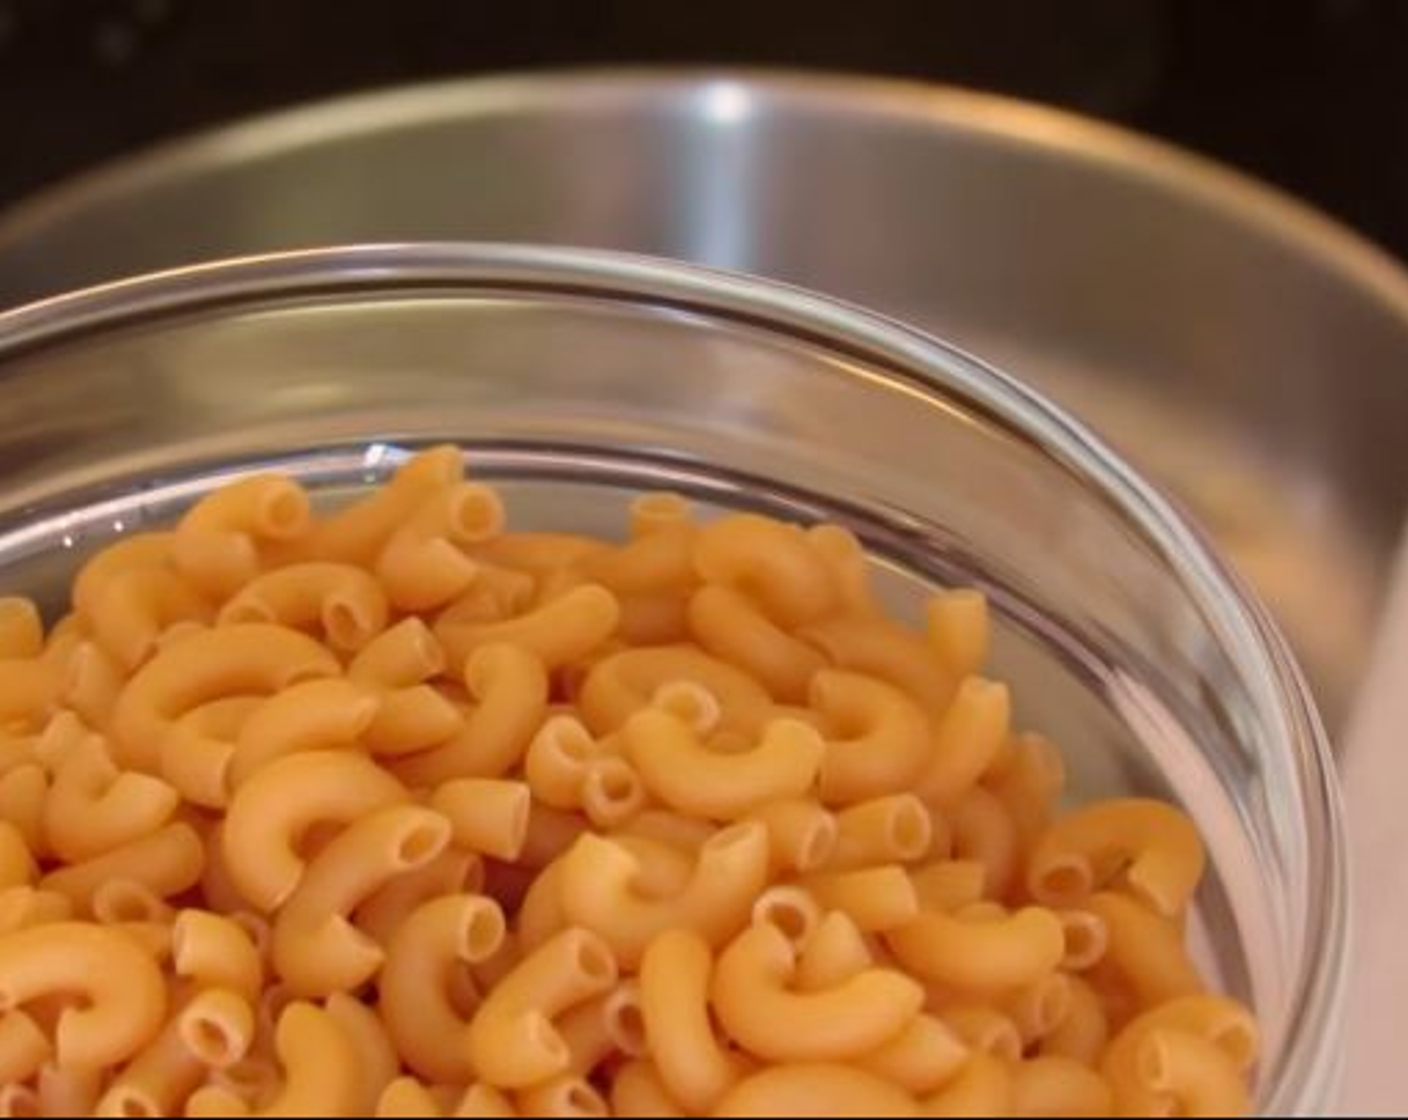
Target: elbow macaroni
x,y
545,825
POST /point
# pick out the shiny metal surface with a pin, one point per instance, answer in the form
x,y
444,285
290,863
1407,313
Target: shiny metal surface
x,y
1234,344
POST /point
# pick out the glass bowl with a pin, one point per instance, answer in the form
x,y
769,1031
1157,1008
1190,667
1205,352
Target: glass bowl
x,y
576,379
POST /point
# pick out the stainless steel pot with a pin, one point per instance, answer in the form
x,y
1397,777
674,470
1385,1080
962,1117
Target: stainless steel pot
x,y
1236,345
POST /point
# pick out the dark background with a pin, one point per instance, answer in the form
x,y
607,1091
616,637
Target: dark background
x,y
1311,94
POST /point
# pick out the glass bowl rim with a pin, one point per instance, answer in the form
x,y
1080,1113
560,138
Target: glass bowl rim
x,y
1305,1066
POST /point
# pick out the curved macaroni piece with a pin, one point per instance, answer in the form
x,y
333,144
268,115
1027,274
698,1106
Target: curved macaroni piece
x,y
453,871
1152,846
357,532
311,716
596,889
683,773
316,948
124,997
1039,1008
433,942
1174,1072
675,976
957,626
564,1095
406,654
214,951
557,761
512,1042
881,648
654,562
877,899
24,1047
90,684
1216,1020
138,550
378,1063
136,606
1029,787
626,682
967,738
68,1092
406,1097
817,1089
166,862
802,835
486,815
216,1027
272,811
790,910
17,866
920,1059
229,660
878,739
423,565
982,1088
949,884
975,950
28,689
21,629
216,546
638,1090
496,594
93,807
557,632
157,1082
752,995
320,1071
735,629
770,562
983,831
891,829
1050,1086
342,602
835,952
1083,1033
23,907
24,791
1145,949
410,720
850,571
510,687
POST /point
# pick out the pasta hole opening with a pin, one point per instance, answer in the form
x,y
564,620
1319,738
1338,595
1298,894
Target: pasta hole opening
x,y
1052,1004
1063,881
910,831
594,961
346,625
792,921
120,901
284,513
1238,1040
616,784
482,934
476,514
209,1041
818,843
580,1099
1151,1063
421,844
1085,938
300,674
690,703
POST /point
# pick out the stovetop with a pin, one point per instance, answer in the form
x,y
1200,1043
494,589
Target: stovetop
x,y
1310,94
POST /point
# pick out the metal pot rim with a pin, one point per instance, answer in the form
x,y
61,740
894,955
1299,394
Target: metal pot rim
x,y
1156,165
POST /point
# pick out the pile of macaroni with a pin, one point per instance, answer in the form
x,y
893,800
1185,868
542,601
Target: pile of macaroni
x,y
394,812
